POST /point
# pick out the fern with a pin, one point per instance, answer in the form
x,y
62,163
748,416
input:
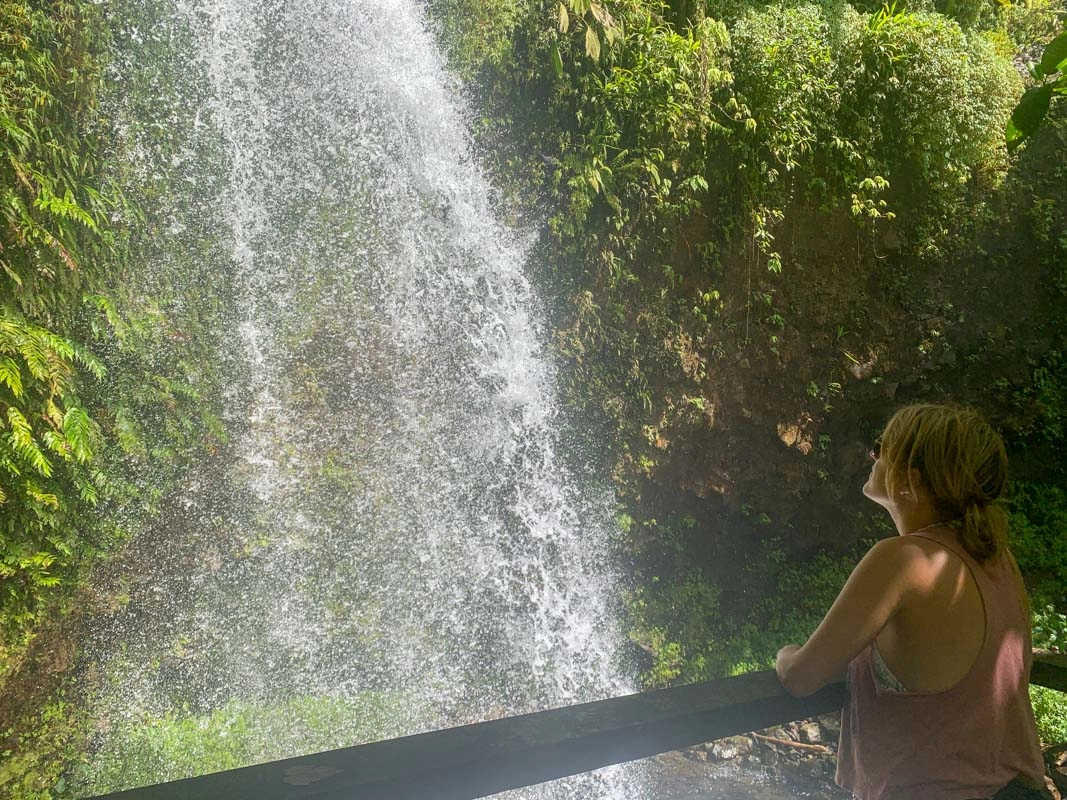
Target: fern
x,y
63,207
21,440
11,376
57,444
36,355
78,430
44,500
83,356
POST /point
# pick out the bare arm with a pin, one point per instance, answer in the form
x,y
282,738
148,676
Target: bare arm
x,y
871,596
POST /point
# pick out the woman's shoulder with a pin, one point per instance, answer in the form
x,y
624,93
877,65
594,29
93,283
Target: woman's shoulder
x,y
904,548
916,559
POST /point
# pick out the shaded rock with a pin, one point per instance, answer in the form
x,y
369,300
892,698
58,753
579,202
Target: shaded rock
x,y
777,732
811,732
831,725
729,748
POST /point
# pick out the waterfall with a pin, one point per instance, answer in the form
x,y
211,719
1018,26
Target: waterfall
x,y
404,545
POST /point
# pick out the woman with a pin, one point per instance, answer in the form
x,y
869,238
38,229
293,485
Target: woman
x,y
932,628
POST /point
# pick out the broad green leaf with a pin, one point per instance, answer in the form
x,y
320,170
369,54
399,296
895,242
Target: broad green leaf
x,y
1054,57
1028,114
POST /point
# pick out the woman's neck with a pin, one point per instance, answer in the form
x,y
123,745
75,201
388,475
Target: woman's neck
x,y
915,517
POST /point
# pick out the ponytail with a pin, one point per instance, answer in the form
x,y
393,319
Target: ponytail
x,y
983,530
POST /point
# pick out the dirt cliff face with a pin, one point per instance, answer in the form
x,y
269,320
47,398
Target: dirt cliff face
x,y
857,324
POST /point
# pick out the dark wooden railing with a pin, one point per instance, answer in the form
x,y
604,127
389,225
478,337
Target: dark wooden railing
x,y
478,760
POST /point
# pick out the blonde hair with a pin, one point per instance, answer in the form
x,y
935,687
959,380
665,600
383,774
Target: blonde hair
x,y
962,465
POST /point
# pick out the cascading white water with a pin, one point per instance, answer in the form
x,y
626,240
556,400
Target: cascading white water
x,y
411,530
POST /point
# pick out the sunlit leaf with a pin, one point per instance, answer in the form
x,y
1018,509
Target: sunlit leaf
x,y
564,19
601,15
592,44
11,375
77,428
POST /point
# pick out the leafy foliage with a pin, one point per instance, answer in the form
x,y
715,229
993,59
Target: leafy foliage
x,y
1038,519
1051,72
181,743
53,242
47,462
52,205
681,624
1050,709
91,406
725,189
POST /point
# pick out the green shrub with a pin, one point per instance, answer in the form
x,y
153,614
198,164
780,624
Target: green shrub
x,y
785,63
1038,518
1049,629
1032,21
44,745
478,36
927,103
645,121
678,623
145,749
1050,709
681,625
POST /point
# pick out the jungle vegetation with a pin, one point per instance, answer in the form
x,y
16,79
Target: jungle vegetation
x,y
767,224
108,388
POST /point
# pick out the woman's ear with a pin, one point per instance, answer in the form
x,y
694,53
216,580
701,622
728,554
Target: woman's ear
x,y
916,486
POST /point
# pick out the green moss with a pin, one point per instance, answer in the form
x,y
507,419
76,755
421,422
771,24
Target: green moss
x,y
147,749
1050,709
42,748
681,624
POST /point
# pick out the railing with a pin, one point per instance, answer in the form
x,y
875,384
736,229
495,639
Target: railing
x,y
478,760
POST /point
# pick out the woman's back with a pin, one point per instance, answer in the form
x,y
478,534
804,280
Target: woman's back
x,y
932,641
972,735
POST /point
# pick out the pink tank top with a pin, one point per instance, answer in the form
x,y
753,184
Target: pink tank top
x,y
964,743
